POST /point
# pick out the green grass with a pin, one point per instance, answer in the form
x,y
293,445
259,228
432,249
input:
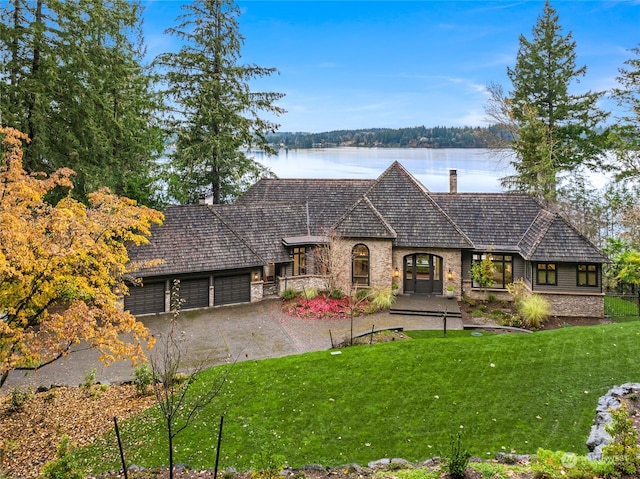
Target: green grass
x,y
621,310
510,393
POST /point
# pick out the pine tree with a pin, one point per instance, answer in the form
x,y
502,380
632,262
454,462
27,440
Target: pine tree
x,y
76,84
555,129
216,114
627,128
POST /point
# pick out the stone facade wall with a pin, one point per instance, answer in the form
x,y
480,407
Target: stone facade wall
x,y
299,283
579,305
479,294
257,291
561,304
380,262
451,260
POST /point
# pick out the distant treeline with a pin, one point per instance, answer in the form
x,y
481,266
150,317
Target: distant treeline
x,y
416,137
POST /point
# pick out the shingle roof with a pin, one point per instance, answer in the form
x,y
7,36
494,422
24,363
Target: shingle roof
x,y
263,226
193,239
550,238
516,222
363,221
410,210
497,220
327,199
396,206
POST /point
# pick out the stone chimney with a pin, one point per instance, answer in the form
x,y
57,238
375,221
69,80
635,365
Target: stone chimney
x,y
453,181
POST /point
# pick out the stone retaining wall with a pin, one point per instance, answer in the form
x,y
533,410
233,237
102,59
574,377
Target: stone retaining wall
x,y
599,437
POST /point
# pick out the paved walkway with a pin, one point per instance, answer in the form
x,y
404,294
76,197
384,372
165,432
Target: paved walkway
x,y
228,333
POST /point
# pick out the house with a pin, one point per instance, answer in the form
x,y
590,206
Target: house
x,y
346,234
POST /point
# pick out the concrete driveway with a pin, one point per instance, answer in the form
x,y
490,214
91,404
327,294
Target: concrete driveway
x,y
228,333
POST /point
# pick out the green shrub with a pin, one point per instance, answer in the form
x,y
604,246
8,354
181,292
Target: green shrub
x,y
534,310
143,378
518,291
623,450
268,465
288,294
492,298
553,464
89,378
336,294
309,293
362,294
19,398
383,299
65,466
458,460
511,321
467,300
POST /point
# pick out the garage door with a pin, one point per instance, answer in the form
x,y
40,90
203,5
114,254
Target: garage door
x,y
194,293
145,299
232,289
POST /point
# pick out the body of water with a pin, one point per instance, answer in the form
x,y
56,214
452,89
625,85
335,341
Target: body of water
x,y
479,170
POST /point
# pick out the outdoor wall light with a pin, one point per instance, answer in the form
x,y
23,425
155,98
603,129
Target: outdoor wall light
x,y
449,275
396,273
256,276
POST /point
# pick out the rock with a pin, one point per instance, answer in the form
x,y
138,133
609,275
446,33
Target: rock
x,y
313,467
598,436
507,458
135,468
379,463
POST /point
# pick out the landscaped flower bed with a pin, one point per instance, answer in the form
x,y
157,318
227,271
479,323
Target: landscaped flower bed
x,y
323,307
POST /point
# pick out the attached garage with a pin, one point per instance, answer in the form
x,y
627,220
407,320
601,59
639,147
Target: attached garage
x,y
232,289
146,299
194,293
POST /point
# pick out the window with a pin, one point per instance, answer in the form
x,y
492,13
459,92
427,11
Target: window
x,y
299,261
269,273
547,274
502,269
587,275
360,265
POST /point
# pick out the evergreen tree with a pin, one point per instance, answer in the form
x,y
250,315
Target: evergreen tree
x,y
627,128
542,109
216,115
74,81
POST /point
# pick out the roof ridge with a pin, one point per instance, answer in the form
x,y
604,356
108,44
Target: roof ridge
x,y
541,234
235,233
379,215
396,165
375,211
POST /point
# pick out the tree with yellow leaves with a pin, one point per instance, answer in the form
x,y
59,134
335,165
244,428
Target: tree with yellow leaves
x,y
63,266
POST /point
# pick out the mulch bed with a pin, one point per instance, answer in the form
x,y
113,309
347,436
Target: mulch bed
x,y
29,437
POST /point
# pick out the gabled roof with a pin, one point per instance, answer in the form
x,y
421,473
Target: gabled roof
x,y
550,238
410,210
496,220
363,221
327,199
276,213
516,222
263,226
193,239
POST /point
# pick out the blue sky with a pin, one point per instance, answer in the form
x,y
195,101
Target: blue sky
x,y
393,64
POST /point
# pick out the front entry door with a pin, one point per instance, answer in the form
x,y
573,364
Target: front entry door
x,y
423,274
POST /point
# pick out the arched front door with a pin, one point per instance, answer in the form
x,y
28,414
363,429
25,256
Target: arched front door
x,y
422,273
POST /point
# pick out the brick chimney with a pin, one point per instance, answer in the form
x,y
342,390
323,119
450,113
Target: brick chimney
x,y
453,181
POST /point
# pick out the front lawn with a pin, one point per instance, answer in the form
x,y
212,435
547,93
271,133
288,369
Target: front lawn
x,y
621,309
510,393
